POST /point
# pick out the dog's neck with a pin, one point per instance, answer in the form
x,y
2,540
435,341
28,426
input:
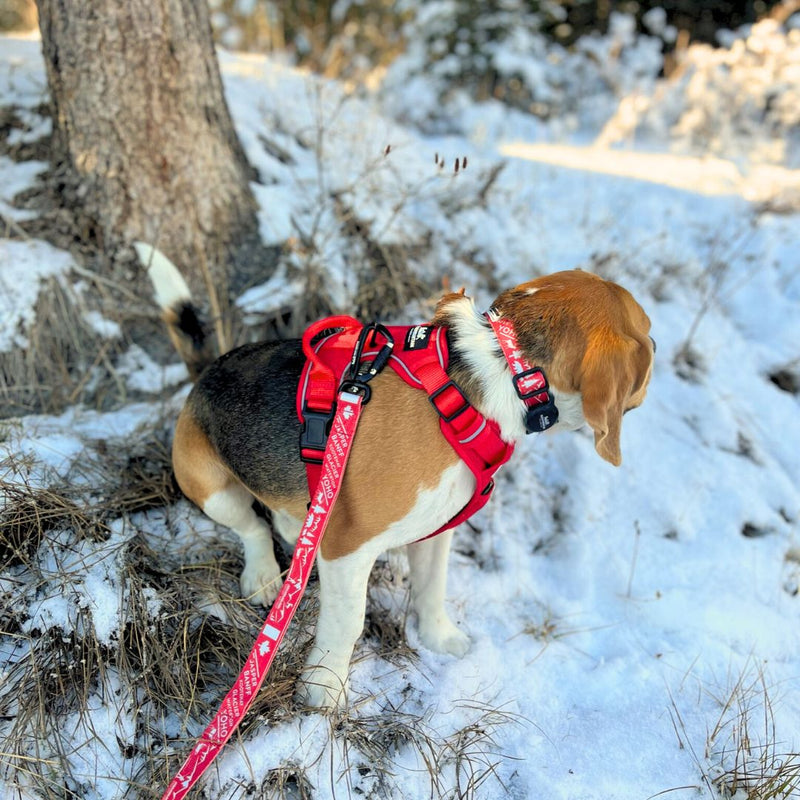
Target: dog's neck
x,y
478,366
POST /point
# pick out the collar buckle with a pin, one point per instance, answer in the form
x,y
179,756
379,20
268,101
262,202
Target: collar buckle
x,y
529,383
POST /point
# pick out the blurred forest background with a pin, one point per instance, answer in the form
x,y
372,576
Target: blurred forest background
x,y
350,38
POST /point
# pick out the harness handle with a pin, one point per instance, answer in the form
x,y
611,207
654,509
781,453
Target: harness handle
x,y
317,401
324,326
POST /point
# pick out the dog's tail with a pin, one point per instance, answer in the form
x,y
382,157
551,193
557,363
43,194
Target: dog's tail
x,y
185,326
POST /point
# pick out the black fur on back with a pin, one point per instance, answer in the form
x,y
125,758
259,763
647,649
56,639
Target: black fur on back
x,y
245,403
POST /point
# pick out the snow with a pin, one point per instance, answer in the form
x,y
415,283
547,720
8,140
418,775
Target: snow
x,y
25,265
143,374
613,612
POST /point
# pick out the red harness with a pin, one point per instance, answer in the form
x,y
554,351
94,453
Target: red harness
x,y
332,349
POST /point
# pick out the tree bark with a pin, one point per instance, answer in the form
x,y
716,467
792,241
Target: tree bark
x,y
143,143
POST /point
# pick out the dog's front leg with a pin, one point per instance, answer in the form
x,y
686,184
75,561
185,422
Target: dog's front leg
x,y
343,599
428,575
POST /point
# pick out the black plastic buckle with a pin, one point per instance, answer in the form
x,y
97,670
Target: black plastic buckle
x,y
541,417
533,392
314,435
448,385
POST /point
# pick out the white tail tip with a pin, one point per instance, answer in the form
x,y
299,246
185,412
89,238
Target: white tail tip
x,y
170,287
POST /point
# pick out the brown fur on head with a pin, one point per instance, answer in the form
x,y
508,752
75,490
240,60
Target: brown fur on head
x,y
590,336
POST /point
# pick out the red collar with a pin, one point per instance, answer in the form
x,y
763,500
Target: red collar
x,y
530,383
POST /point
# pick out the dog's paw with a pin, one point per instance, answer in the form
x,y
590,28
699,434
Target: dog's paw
x,y
260,583
444,637
321,688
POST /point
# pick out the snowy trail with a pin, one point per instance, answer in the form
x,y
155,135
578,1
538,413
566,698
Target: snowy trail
x,y
706,175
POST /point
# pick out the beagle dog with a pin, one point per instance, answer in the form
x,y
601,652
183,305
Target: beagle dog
x,y
237,437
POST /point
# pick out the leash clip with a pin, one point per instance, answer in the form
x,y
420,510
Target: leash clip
x,y
358,374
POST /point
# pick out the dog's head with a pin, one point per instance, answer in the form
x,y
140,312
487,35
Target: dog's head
x,y
591,338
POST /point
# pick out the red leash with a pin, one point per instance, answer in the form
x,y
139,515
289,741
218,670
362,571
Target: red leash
x,y
241,696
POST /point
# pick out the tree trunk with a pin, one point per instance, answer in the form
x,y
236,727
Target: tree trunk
x,y
144,147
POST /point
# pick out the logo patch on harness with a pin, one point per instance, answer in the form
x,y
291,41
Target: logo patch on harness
x,y
418,337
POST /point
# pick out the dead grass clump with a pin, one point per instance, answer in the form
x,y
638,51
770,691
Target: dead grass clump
x,y
122,481
385,620
286,782
458,764
187,633
743,758
29,513
59,366
750,763
48,687
131,479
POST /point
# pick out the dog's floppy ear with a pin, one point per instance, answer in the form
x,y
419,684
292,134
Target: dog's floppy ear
x,y
614,372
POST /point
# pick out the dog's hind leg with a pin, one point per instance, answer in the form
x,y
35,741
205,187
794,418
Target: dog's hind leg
x,y
427,562
233,507
206,481
287,525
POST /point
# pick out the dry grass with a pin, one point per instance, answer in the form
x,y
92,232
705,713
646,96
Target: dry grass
x,y
750,761
30,513
52,371
66,362
457,764
183,634
743,757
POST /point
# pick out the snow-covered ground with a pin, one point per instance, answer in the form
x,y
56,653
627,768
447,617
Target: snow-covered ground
x,y
636,631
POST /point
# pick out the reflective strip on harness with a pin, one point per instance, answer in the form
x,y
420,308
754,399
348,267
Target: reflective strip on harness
x,y
422,364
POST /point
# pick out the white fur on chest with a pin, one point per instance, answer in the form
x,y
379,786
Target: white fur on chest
x,y
432,509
